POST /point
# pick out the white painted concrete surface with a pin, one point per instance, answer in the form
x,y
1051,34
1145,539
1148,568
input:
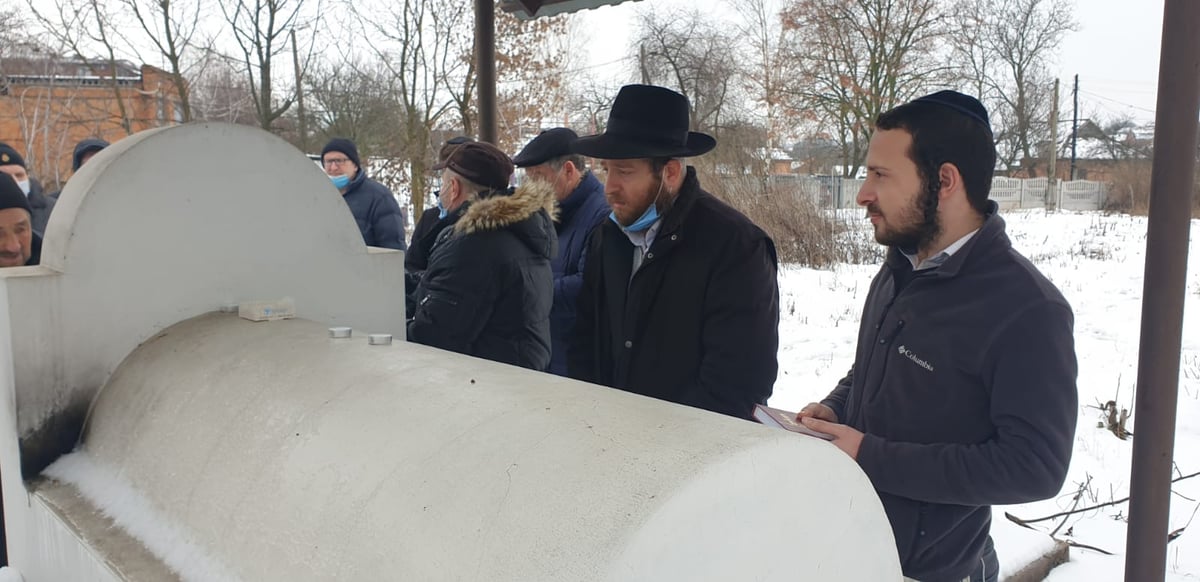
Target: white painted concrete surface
x,y
289,455
274,452
159,227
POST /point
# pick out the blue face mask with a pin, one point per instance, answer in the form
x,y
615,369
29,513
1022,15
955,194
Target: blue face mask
x,y
442,212
340,182
647,219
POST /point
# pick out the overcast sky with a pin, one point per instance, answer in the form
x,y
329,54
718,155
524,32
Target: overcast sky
x,y
1115,52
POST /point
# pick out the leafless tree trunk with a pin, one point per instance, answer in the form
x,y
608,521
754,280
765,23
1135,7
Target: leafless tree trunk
x,y
689,53
171,26
355,99
219,91
414,54
859,58
769,70
261,29
1006,48
82,26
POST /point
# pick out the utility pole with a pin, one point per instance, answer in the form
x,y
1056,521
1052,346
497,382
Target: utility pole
x,y
1074,126
1171,181
299,95
485,63
1051,197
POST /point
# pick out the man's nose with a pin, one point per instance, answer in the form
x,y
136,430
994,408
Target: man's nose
x,y
10,243
866,195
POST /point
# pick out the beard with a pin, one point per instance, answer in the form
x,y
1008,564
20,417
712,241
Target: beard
x,y
627,216
914,226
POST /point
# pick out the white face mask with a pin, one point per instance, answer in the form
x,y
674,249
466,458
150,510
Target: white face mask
x,y
24,184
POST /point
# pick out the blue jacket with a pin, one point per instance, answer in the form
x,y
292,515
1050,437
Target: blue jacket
x,y
578,214
376,212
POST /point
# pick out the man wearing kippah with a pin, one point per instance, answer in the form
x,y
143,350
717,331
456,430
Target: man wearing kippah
x,y
488,287
374,207
19,244
962,393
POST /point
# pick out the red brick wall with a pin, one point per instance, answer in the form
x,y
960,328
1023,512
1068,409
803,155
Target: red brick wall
x,y
44,122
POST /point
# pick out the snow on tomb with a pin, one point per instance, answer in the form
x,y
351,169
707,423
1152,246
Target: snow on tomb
x,y
149,432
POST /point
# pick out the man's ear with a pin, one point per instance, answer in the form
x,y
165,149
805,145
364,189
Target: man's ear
x,y
950,181
673,173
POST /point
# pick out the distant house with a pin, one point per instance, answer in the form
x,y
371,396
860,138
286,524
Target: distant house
x,y
1099,154
48,104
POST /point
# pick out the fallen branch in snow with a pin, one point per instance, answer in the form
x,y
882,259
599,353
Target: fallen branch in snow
x,y
1083,487
1087,547
1175,534
1026,522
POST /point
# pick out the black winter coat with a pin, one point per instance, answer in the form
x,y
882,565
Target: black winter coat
x,y
416,258
488,289
41,206
964,385
578,215
698,324
425,233
376,211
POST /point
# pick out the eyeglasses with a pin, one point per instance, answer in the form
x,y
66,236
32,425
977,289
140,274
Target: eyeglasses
x,y
335,162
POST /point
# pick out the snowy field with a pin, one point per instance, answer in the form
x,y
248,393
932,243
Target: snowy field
x,y
1097,261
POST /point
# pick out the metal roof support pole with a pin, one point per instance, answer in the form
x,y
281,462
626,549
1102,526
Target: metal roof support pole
x,y
1171,194
485,64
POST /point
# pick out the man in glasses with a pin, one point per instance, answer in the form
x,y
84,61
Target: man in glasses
x,y
372,204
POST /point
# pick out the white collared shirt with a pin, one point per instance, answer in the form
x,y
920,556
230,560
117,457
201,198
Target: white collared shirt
x,y
642,241
942,257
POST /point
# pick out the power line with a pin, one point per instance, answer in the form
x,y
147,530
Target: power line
x,y
1114,101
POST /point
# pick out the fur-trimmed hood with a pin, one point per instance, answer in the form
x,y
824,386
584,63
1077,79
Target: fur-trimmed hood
x,y
518,212
500,210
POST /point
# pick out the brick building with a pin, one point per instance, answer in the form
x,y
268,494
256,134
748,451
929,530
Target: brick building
x,y
49,104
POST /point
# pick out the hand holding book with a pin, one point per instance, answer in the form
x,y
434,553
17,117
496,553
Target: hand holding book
x,y
777,418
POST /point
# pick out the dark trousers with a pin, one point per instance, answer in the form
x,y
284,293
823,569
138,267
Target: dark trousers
x,y
988,569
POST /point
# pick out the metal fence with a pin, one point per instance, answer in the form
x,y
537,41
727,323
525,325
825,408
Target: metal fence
x,y
1009,193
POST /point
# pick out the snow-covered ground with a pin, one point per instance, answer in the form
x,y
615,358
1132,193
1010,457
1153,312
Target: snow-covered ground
x,y
1097,261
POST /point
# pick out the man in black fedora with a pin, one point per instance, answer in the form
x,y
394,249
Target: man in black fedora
x,y
680,299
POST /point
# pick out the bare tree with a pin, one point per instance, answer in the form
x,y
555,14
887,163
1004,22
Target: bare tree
x,y
12,32
414,50
690,53
768,70
219,91
455,66
532,67
593,100
171,26
84,26
1006,48
858,58
261,29
356,100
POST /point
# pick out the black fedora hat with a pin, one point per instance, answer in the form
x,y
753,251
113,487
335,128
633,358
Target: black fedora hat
x,y
646,122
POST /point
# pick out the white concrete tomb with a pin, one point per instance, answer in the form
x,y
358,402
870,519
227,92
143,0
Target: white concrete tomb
x,y
147,435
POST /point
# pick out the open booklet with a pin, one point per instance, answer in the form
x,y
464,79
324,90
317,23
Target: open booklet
x,y
777,418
